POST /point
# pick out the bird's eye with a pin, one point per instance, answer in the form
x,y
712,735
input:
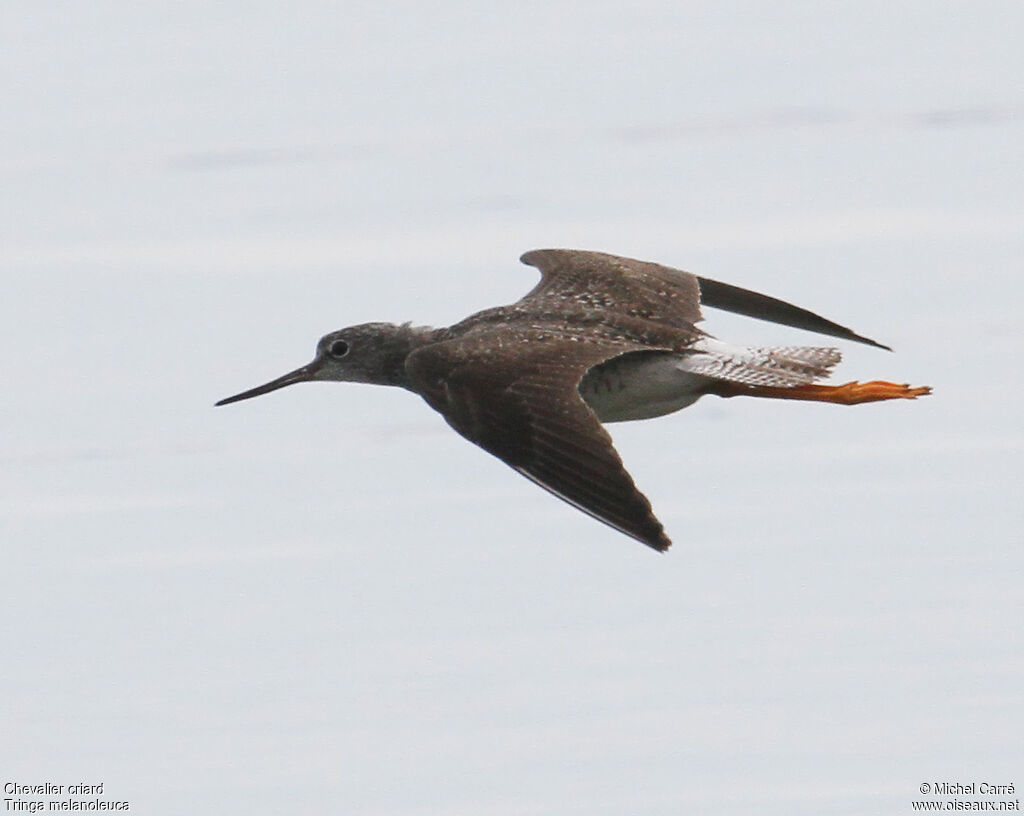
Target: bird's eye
x,y
339,348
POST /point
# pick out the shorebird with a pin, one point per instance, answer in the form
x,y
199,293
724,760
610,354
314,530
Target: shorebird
x,y
599,339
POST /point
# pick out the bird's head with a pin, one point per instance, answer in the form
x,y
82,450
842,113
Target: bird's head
x,y
367,353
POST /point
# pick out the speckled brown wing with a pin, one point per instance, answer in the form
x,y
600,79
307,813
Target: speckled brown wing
x,y
615,285
519,401
663,294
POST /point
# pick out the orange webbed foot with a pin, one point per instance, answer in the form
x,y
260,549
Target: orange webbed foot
x,y
854,393
851,393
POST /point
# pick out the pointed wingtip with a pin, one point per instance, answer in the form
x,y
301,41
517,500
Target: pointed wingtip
x,y
742,301
859,338
875,343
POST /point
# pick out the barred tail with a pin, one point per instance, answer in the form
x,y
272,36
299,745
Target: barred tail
x,y
780,367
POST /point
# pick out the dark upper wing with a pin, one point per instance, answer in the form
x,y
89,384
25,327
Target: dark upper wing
x,y
662,294
524,408
763,307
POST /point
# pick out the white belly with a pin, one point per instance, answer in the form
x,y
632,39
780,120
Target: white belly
x,y
641,387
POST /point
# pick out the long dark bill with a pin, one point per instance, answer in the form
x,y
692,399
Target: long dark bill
x,y
304,374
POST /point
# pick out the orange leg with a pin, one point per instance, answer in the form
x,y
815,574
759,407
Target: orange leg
x,y
852,393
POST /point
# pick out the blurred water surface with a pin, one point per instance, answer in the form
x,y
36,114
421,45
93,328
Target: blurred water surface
x,y
326,600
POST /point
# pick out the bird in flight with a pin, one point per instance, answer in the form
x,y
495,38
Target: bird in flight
x,y
599,339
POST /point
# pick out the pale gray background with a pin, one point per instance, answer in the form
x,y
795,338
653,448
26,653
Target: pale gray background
x,y
324,601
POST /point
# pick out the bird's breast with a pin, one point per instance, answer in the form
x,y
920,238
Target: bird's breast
x,y
641,386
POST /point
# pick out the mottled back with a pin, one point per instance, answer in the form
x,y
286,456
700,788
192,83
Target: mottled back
x,y
614,285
